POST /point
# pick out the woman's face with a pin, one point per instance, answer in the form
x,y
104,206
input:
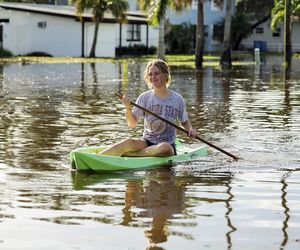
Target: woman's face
x,y
156,78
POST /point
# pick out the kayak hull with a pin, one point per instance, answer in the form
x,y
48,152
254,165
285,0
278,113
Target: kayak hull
x,y
88,158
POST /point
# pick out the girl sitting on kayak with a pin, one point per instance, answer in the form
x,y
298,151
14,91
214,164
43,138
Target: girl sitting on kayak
x,y
158,137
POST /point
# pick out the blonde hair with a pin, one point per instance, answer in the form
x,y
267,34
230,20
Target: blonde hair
x,y
163,69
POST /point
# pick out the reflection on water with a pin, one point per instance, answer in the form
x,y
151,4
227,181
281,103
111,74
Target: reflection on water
x,y
286,210
48,110
161,203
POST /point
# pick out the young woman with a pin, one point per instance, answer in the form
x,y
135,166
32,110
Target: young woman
x,y
158,137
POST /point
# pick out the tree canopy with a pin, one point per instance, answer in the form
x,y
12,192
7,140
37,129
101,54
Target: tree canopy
x,y
116,7
278,11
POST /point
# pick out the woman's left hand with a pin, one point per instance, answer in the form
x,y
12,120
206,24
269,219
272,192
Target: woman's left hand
x,y
192,133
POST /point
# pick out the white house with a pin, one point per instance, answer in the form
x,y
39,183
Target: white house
x,y
56,30
267,40
263,37
214,11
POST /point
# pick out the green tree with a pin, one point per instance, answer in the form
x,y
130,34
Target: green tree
x,y
283,12
248,15
258,11
241,27
157,10
180,38
278,11
116,7
157,16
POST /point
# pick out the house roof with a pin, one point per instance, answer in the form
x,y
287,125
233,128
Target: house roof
x,y
136,17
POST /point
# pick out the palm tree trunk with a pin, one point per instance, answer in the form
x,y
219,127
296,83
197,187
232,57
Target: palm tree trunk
x,y
199,35
225,60
287,35
93,49
161,39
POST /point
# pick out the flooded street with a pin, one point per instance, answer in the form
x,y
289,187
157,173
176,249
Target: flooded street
x,y
213,202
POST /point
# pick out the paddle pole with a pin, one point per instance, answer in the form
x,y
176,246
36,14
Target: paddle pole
x,y
179,128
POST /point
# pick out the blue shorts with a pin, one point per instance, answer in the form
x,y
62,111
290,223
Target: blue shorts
x,y
149,143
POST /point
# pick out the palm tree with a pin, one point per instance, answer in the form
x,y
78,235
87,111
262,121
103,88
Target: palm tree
x,y
287,34
157,16
284,11
157,10
116,7
199,35
225,60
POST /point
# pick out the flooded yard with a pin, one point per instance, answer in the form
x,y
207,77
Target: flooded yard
x,y
47,110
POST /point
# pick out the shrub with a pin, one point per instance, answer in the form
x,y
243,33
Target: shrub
x,y
39,53
135,50
5,53
180,38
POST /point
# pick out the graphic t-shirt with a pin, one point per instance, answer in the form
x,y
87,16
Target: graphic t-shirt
x,y
172,108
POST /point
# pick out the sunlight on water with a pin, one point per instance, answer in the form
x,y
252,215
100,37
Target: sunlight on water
x,y
212,202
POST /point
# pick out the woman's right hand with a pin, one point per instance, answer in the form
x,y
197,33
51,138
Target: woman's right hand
x,y
126,101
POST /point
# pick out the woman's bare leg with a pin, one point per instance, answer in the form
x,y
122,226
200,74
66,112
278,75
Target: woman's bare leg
x,y
124,147
161,149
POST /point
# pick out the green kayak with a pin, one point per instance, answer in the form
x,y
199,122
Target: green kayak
x,y
88,158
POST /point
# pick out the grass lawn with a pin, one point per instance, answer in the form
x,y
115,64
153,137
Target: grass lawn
x,y
178,60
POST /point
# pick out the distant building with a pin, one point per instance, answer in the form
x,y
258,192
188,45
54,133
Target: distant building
x,y
273,41
214,12
56,30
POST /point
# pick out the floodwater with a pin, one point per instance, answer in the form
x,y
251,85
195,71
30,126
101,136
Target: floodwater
x,y
47,110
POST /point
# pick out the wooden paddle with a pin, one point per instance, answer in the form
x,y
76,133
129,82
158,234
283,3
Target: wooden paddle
x,y
179,128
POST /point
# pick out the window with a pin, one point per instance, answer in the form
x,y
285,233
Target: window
x,y
133,32
277,32
259,30
194,4
217,5
206,30
42,25
217,33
